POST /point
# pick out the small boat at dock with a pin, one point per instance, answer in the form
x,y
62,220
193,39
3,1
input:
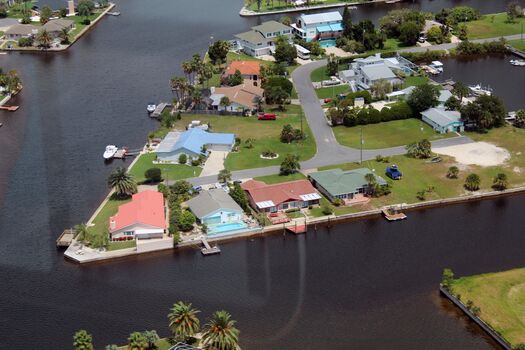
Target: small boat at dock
x,y
110,151
479,90
116,13
394,213
518,63
151,107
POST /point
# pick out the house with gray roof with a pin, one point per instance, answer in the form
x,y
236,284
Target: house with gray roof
x,y
443,121
18,31
260,40
56,26
371,73
217,210
344,185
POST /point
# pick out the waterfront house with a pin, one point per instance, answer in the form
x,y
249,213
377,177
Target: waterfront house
x,y
344,185
55,26
18,31
280,197
242,97
193,143
443,121
260,40
250,70
217,210
142,218
324,27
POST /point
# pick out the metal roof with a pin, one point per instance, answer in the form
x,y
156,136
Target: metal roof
x,y
310,196
193,140
323,29
208,202
167,144
271,27
377,71
442,117
265,204
252,36
333,16
337,181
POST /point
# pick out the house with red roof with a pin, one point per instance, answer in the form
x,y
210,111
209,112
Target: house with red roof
x,y
250,70
279,197
143,217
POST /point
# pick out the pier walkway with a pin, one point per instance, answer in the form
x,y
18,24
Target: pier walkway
x,y
209,250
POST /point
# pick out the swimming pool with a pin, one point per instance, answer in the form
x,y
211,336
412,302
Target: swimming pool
x,y
220,228
327,43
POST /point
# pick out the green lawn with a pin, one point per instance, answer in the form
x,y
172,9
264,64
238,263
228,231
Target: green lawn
x,y
387,134
101,221
78,23
169,171
517,44
274,179
122,245
332,91
341,210
320,74
264,133
415,81
501,299
494,25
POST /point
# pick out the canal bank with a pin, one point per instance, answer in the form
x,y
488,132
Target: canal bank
x,y
373,286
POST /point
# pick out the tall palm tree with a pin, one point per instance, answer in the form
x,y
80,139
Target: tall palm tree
x,y
137,341
220,332
196,98
64,36
183,321
122,182
187,68
371,182
43,38
179,86
12,82
81,232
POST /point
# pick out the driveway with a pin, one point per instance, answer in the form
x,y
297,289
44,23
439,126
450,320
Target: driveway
x,y
214,164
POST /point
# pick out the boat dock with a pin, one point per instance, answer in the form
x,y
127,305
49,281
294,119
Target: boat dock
x,y
430,70
394,213
159,109
209,250
9,108
298,228
65,239
124,152
515,51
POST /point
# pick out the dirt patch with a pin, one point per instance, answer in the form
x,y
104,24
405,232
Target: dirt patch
x,y
476,153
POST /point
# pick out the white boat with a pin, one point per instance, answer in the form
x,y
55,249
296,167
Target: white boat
x,y
519,63
151,107
437,65
110,151
479,90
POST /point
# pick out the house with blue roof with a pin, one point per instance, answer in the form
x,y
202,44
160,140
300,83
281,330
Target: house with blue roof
x,y
193,143
324,27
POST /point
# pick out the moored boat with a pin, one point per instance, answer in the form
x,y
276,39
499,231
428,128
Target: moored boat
x,y
519,63
151,107
479,90
110,151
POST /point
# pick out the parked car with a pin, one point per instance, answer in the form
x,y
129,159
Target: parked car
x,y
196,189
393,172
267,116
327,100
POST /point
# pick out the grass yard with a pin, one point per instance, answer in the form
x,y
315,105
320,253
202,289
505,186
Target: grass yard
x,y
78,23
275,179
501,298
387,134
265,135
517,44
122,245
332,91
101,221
321,74
169,171
415,81
494,25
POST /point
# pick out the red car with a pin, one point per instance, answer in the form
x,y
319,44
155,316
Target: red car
x,y
327,100
267,116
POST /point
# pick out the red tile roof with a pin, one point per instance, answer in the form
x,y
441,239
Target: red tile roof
x,y
245,67
145,208
278,193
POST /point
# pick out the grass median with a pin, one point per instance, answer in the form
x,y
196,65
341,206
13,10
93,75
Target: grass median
x,y
493,26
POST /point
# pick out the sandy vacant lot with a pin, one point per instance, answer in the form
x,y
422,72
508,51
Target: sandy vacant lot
x,y
476,153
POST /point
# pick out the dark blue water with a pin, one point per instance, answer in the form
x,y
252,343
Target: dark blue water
x,y
361,285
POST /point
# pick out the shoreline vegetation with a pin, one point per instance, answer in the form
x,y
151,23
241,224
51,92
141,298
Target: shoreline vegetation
x,y
251,6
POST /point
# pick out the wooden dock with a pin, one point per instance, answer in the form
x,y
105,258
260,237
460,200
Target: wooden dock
x,y
158,111
515,51
394,213
65,239
209,250
298,228
9,108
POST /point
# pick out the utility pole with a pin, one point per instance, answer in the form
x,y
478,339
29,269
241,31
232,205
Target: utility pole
x,y
361,157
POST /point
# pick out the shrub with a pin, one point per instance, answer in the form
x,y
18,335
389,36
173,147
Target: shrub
x,y
183,159
472,182
153,175
86,22
165,190
25,42
196,162
453,172
63,12
292,210
338,202
269,154
326,209
500,182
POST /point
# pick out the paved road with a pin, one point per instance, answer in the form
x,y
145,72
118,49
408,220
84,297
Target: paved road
x,y
329,151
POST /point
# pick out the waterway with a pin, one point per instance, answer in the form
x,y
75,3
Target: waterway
x,y
361,285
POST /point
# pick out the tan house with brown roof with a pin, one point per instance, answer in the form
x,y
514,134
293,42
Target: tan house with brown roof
x,y
242,97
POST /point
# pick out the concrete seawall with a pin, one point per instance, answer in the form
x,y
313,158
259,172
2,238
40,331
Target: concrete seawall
x,y
488,329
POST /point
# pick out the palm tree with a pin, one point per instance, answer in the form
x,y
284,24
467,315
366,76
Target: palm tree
x,y
64,36
179,86
453,172
137,341
371,183
187,68
220,332
152,339
81,232
225,102
82,340
500,182
224,176
196,98
183,321
43,38
122,182
472,182
12,81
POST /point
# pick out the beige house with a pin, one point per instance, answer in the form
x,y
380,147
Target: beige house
x,y
18,31
55,26
242,97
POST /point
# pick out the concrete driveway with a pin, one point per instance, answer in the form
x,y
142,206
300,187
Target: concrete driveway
x,y
214,163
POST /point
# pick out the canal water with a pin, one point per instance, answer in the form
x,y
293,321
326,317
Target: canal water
x,y
361,285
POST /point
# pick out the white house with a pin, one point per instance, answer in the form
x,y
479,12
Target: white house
x,y
443,121
260,40
325,26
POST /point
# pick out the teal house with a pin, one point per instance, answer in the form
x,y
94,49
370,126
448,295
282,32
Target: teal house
x,y
344,185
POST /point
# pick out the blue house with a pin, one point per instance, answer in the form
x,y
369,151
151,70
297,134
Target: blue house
x,y
193,143
323,27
